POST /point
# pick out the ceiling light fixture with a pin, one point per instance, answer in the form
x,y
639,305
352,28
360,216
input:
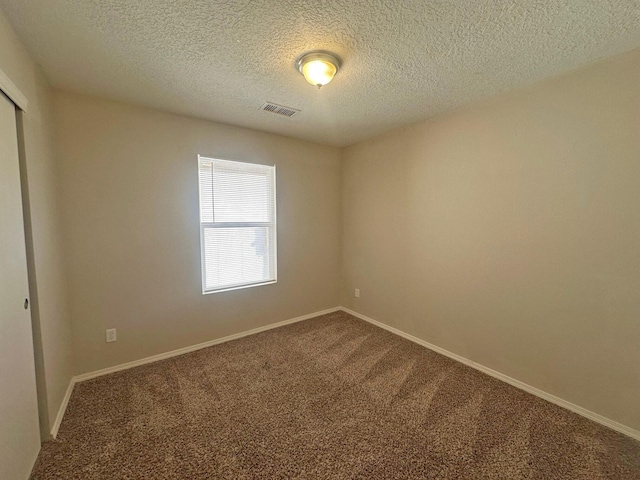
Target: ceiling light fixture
x,y
318,67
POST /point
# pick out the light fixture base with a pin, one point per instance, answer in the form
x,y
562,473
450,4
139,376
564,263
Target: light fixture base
x,y
318,67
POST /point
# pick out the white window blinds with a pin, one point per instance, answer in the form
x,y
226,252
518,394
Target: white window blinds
x,y
237,224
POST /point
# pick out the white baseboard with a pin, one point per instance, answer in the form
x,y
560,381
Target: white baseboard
x,y
193,348
505,378
173,353
63,408
500,376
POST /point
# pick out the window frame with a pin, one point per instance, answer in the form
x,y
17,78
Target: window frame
x,y
204,225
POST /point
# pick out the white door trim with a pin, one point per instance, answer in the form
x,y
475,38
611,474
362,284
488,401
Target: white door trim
x,y
13,92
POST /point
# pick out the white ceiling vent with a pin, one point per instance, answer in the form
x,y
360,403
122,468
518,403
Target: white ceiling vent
x,y
279,109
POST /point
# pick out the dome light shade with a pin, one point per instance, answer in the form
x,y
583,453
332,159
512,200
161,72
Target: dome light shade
x,y
318,68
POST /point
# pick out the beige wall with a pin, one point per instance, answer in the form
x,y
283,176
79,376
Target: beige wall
x,y
130,183
52,328
509,233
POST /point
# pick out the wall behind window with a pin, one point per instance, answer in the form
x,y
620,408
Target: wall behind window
x,y
509,233
130,200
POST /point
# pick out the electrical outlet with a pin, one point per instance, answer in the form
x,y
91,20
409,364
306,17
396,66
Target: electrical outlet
x,y
357,292
111,335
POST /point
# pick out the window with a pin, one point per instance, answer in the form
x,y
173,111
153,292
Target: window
x,y
237,224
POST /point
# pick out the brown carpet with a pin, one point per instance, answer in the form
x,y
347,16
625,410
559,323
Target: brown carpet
x,y
330,397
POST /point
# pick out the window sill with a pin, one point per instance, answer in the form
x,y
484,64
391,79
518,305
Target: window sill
x,y
239,287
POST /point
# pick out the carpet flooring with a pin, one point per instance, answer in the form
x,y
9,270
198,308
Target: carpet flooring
x,y
331,397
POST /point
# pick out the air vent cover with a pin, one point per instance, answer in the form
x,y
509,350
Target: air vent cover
x,y
279,109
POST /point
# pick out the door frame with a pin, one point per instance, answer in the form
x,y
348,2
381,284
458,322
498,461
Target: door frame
x,y
10,89
13,92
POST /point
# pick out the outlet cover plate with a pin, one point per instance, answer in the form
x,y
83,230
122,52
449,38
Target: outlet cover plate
x,y
111,335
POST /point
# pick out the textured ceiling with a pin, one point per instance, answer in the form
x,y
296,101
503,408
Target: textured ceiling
x,y
403,60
